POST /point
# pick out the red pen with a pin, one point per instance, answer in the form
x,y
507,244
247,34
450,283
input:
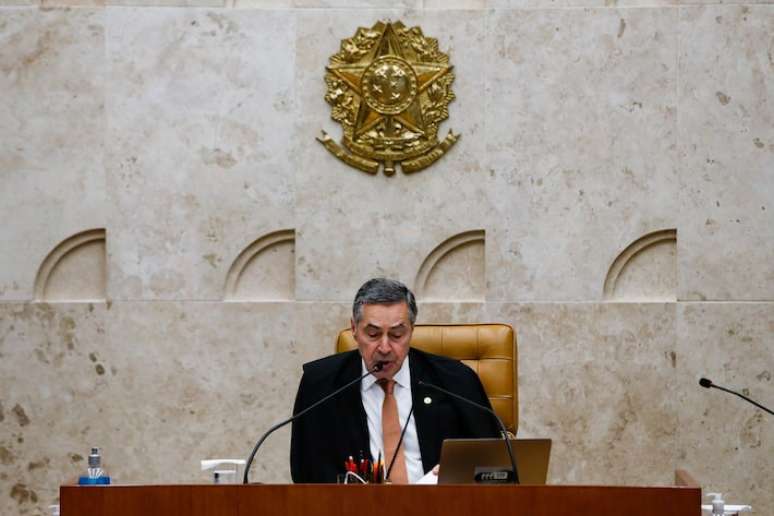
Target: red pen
x,y
375,472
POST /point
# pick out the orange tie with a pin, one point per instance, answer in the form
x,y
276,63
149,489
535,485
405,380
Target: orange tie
x,y
391,433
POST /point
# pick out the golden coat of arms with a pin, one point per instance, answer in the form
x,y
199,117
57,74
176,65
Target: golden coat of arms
x,y
389,87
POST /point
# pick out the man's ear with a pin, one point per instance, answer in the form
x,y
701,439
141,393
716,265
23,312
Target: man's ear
x,y
352,325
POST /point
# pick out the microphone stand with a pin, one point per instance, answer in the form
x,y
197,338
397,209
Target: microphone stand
x,y
378,367
707,383
499,422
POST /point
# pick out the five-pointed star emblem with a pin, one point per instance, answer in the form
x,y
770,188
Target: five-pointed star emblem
x,y
390,88
424,76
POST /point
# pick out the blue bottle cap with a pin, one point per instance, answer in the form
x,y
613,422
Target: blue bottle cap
x,y
86,481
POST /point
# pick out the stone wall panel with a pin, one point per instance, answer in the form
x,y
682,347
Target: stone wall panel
x,y
581,138
201,106
52,113
725,442
726,153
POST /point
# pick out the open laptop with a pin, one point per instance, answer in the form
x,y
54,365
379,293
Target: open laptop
x,y
460,457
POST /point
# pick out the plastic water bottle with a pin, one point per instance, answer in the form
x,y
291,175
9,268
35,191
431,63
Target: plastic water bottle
x,y
718,505
720,508
95,475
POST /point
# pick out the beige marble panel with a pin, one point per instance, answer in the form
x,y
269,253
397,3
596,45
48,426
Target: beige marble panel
x,y
202,106
358,4
459,275
46,4
263,4
53,399
595,378
581,136
219,375
269,276
692,3
593,4
158,385
649,275
167,3
52,123
726,211
455,4
353,226
320,324
725,442
79,276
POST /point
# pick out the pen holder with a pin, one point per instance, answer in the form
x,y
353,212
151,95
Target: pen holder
x,y
354,478
365,471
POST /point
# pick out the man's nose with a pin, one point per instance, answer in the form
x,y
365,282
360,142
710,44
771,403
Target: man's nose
x,y
384,345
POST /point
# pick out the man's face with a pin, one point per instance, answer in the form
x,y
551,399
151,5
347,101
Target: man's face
x,y
383,335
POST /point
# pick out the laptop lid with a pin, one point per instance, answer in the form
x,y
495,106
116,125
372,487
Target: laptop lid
x,y
460,457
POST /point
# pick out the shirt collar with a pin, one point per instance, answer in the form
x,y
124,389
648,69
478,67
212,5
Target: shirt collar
x,y
402,377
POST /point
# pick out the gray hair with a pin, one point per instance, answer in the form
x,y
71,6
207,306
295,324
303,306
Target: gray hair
x,y
383,291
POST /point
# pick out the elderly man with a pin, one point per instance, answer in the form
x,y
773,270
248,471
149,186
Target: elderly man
x,y
369,420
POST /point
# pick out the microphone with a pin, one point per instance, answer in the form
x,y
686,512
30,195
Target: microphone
x,y
503,431
707,383
377,367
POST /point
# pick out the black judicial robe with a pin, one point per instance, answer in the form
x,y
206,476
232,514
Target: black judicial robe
x,y
323,439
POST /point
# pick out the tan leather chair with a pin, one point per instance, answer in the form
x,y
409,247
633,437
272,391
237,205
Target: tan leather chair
x,y
489,349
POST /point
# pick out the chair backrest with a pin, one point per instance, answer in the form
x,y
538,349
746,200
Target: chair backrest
x,y
489,349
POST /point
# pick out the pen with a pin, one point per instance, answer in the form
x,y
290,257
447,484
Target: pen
x,y
375,470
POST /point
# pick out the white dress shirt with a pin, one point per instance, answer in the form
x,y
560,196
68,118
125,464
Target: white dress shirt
x,y
373,398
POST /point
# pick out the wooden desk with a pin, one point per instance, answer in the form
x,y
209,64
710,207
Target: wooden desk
x,y
378,500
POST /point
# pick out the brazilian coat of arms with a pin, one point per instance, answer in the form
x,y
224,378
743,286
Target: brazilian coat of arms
x,y
389,87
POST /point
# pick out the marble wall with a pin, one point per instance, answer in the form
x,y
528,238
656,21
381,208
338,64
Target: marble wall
x,y
176,244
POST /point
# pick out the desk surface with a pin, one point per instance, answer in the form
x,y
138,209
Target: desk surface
x,y
378,500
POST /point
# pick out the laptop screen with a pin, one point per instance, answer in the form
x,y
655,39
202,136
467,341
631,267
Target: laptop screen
x,y
461,457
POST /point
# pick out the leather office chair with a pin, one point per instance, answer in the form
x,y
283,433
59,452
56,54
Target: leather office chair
x,y
488,349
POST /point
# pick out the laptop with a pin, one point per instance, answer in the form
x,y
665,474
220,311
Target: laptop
x,y
461,457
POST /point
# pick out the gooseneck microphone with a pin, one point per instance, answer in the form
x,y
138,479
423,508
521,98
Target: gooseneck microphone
x,y
377,367
707,383
503,431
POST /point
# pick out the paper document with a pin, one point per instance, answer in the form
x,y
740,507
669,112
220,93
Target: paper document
x,y
430,479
